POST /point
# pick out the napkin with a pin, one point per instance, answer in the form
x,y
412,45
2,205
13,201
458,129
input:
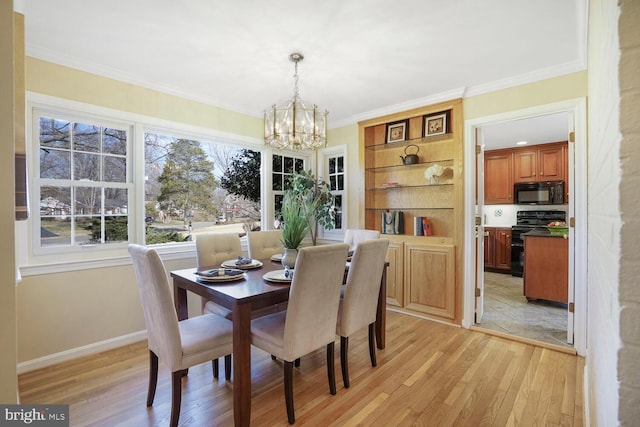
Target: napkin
x,y
243,260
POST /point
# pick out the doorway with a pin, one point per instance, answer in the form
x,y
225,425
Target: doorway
x,y
576,110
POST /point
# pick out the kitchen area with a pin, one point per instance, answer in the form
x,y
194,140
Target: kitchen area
x,y
526,244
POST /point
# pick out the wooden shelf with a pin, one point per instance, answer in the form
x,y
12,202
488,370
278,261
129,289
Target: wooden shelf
x,y
405,187
402,144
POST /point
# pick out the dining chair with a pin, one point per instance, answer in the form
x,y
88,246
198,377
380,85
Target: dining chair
x,y
180,344
359,302
355,236
264,244
310,320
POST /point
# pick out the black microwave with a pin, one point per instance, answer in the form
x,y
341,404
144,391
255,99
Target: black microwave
x,y
539,193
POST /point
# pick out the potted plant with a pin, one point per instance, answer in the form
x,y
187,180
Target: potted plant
x,y
294,228
316,201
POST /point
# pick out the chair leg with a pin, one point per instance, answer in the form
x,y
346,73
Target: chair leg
x,y
331,371
216,371
372,344
176,397
344,362
288,391
153,377
227,367
296,363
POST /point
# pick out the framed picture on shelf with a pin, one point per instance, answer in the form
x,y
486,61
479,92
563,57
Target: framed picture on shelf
x,y
397,131
435,124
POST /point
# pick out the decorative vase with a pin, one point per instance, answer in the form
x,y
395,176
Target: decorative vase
x,y
289,258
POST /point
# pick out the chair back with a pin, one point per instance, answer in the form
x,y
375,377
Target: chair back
x,y
212,249
314,297
264,244
157,305
358,307
353,236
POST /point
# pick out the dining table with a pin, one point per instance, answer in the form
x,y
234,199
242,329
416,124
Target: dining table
x,y
243,296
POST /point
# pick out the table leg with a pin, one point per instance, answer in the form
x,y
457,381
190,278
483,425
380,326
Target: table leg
x,y
381,313
180,301
242,364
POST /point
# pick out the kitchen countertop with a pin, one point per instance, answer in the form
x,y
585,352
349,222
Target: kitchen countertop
x,y
538,232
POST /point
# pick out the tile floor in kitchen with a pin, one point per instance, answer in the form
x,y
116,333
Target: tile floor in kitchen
x,y
507,310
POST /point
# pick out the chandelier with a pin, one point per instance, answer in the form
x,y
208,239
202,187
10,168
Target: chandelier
x,y
294,125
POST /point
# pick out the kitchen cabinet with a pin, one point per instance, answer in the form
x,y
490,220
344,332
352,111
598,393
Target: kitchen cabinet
x,y
429,272
546,268
497,249
539,163
498,177
395,274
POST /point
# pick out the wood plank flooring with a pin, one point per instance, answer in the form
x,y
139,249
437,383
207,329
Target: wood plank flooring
x,y
430,374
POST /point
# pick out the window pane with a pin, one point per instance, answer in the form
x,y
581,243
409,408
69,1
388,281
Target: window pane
x,y
288,165
115,169
115,201
88,201
55,231
54,133
332,182
276,182
277,163
340,182
87,230
86,137
55,163
340,164
114,141
332,165
115,228
55,201
86,166
299,165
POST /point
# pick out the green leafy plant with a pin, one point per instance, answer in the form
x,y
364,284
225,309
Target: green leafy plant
x,y
316,201
294,222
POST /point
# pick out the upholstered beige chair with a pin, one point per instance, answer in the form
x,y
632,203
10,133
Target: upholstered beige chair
x,y
310,321
264,244
353,236
360,298
180,344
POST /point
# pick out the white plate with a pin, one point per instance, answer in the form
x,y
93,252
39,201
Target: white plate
x,y
276,257
232,264
276,276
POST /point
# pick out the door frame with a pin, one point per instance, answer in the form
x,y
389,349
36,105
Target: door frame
x,y
578,262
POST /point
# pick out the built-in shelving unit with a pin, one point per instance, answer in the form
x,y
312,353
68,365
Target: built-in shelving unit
x,y
424,270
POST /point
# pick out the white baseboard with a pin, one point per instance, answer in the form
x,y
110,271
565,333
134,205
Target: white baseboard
x,y
63,356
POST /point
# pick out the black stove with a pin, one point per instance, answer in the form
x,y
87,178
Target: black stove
x,y
525,222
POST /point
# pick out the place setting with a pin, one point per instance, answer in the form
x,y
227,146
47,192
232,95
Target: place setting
x,y
242,263
279,276
220,275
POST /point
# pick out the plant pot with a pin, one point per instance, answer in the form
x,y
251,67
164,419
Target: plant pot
x,y
289,258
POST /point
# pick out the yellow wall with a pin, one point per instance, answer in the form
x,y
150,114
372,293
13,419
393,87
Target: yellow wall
x,y
8,380
64,311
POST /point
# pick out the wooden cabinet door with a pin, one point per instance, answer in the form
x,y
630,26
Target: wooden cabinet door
x,y
489,247
430,279
551,163
525,165
502,256
395,272
546,263
498,177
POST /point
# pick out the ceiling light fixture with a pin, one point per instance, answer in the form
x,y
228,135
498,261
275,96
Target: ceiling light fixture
x,y
294,126
521,143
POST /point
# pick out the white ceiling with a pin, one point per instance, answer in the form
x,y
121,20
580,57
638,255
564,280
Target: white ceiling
x,y
362,59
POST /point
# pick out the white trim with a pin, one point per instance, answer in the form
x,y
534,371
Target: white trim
x,y
579,109
85,350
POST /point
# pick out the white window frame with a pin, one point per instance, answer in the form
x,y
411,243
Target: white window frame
x,y
324,155
69,258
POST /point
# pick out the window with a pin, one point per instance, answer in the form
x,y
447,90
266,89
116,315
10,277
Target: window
x,y
82,183
282,167
336,184
194,185
333,163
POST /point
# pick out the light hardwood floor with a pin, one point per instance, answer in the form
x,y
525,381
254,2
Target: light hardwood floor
x,y
430,374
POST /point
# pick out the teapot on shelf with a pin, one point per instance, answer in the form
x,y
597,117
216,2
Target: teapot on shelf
x,y
411,159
